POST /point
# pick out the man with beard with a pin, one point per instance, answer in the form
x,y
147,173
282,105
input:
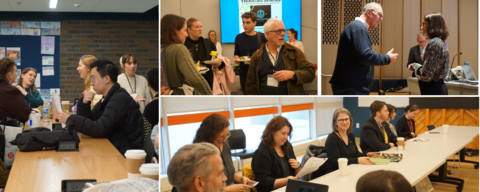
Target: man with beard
x,y
197,167
373,135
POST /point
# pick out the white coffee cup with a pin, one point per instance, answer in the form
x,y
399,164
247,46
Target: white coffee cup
x,y
149,170
134,159
400,142
342,166
445,129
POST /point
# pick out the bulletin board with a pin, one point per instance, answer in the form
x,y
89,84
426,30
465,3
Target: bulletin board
x,y
30,56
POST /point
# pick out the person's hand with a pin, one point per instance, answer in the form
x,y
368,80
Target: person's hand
x,y
283,75
36,110
62,117
292,177
393,56
373,154
235,59
294,163
247,181
138,98
22,90
237,188
391,144
88,96
412,134
410,68
73,109
364,161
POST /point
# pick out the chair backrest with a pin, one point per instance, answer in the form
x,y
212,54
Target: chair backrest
x,y
149,149
237,140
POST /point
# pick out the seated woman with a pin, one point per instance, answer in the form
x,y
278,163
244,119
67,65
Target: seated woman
x,y
12,101
179,68
214,129
341,144
392,112
406,125
274,162
26,85
383,181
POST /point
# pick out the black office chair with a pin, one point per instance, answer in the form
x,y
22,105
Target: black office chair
x,y
149,149
238,141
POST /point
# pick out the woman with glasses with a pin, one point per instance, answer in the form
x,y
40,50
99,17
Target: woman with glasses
x,y
434,69
214,129
136,85
274,162
406,125
341,144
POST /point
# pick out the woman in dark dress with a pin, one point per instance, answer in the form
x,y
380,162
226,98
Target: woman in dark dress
x,y
214,129
341,144
406,125
200,48
274,162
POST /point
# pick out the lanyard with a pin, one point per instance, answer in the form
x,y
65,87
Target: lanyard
x,y
135,78
274,58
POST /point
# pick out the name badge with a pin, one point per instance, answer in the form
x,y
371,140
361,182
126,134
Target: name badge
x,y
271,81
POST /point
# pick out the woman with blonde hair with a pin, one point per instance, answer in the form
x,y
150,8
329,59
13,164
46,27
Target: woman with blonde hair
x,y
84,71
26,85
136,85
212,35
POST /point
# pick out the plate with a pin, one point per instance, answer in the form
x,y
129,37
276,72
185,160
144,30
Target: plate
x,y
212,61
247,60
203,72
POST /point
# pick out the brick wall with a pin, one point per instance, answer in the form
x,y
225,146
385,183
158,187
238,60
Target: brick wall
x,y
105,40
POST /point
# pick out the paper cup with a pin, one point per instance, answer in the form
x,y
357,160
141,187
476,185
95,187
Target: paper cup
x,y
65,105
342,166
400,142
134,159
149,170
445,129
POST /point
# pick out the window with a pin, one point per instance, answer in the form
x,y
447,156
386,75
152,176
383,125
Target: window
x,y
300,121
253,128
181,135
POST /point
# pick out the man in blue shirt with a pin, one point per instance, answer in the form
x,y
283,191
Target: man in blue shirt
x,y
246,44
353,73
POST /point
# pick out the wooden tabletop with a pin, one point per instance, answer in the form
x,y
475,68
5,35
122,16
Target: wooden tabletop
x,y
44,170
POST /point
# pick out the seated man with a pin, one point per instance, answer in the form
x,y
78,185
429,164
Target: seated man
x,y
278,68
197,167
373,135
116,117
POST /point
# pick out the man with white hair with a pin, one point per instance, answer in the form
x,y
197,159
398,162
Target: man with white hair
x,y
416,52
278,68
197,167
353,73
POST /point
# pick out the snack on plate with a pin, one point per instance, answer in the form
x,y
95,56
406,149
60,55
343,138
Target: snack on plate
x,y
243,58
197,65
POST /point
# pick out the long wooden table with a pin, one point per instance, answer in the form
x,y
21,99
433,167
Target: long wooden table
x,y
44,170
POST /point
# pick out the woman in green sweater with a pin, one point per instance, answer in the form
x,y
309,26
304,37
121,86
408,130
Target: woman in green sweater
x,y
26,85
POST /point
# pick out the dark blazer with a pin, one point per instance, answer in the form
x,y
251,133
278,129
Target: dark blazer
x,y
372,138
414,56
266,166
403,130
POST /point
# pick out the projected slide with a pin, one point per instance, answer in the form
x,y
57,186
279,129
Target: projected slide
x,y
231,15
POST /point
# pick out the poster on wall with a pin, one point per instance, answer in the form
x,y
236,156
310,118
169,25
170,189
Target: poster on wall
x,y
48,45
14,53
15,24
37,80
5,24
10,31
50,25
2,52
30,25
47,60
19,71
32,32
48,71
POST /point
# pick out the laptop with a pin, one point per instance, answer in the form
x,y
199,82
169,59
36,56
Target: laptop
x,y
303,186
468,73
430,127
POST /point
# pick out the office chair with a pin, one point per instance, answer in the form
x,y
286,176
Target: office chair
x,y
238,141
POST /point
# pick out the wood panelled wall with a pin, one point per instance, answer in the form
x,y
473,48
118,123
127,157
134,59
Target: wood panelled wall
x,y
398,30
438,117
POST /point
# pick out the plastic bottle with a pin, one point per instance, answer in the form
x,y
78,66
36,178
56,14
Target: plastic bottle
x,y
46,112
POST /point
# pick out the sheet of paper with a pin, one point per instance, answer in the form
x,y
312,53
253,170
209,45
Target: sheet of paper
x,y
58,104
48,71
55,92
311,165
47,60
37,80
48,45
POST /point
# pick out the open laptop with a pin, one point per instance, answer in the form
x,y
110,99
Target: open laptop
x,y
303,186
468,73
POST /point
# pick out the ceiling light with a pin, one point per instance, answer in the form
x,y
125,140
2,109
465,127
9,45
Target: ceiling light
x,y
53,4
77,4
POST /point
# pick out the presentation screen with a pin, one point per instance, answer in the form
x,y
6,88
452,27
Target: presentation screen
x,y
289,11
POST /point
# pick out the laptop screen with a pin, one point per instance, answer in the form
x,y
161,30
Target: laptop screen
x,y
303,186
468,72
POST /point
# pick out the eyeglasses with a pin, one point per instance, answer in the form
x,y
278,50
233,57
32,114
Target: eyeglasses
x,y
278,31
92,79
378,13
226,137
343,120
422,41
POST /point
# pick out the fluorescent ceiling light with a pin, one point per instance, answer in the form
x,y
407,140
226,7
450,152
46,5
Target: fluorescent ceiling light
x,y
53,4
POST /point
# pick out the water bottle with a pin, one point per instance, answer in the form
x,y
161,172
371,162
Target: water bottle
x,y
45,112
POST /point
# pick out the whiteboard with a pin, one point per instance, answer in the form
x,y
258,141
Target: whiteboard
x,y
398,102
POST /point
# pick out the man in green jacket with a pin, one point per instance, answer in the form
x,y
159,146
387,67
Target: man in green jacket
x,y
278,68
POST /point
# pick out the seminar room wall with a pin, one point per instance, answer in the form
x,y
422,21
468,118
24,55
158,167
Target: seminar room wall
x,y
398,30
208,12
104,35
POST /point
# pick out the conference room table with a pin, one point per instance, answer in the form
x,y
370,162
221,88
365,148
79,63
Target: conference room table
x,y
44,170
419,159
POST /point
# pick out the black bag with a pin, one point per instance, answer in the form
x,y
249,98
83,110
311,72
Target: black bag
x,y
39,139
